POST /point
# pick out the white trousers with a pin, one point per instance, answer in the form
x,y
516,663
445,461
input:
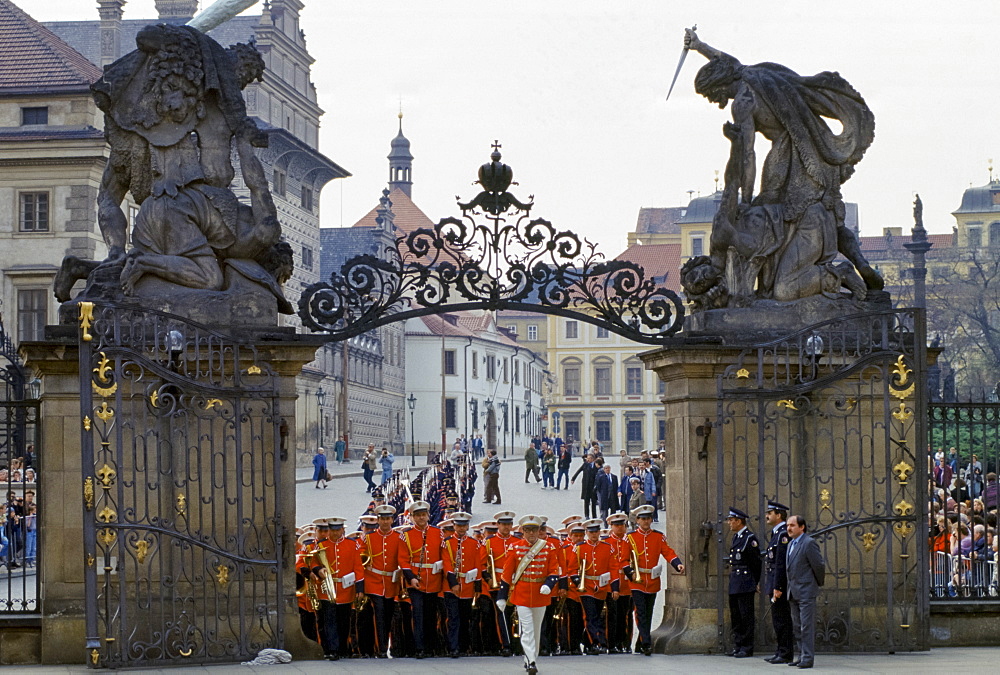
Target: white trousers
x,y
530,619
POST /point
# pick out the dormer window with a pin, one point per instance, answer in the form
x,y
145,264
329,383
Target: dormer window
x,y
31,116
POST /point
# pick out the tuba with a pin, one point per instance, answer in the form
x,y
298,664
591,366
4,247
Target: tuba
x,y
328,583
634,559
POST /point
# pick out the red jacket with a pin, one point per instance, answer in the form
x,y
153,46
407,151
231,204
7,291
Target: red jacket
x,y
499,546
460,557
621,555
344,558
571,565
543,569
418,551
649,546
598,560
383,551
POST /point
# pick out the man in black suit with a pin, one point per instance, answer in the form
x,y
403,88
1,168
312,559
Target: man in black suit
x,y
805,570
776,582
587,494
606,487
744,575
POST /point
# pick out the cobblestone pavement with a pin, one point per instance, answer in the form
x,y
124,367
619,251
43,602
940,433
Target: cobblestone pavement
x,y
938,660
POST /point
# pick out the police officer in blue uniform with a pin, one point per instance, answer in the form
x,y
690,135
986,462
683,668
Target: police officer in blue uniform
x,y
744,575
776,581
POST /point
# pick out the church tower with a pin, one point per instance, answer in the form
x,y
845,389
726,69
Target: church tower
x,y
401,162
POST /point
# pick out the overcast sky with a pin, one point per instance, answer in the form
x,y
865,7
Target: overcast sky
x,y
574,90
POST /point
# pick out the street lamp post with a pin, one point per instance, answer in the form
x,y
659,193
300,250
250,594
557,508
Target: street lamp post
x,y
527,418
503,406
320,399
412,403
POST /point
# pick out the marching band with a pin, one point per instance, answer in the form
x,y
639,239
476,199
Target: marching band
x,y
422,590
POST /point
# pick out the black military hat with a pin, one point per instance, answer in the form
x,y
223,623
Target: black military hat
x,y
776,506
736,513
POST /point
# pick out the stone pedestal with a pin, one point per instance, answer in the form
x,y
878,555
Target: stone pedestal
x,y
62,560
690,613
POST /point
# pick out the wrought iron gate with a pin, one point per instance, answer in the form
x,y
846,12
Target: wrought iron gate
x,y
182,534
831,420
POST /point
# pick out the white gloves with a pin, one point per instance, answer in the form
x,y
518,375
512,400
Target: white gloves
x,y
501,605
544,590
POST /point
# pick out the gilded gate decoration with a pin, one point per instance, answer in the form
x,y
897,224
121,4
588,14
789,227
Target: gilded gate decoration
x,y
827,420
182,535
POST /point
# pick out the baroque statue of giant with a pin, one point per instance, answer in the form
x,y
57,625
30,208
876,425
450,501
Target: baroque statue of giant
x,y
174,118
776,240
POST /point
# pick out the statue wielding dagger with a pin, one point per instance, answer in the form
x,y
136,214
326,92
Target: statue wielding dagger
x,y
680,63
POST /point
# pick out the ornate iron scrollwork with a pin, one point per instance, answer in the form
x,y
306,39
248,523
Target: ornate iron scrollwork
x,y
460,264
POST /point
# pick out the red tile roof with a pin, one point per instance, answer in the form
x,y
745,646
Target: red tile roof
x,y
895,243
659,220
35,59
407,216
657,260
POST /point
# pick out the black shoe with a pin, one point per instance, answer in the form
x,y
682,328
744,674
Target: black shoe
x,y
421,655
647,650
777,660
532,669
505,652
453,654
742,655
732,652
794,663
806,665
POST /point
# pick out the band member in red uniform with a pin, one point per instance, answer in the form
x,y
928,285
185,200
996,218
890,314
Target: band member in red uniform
x,y
530,574
463,563
381,551
620,610
497,546
338,566
649,545
600,575
420,562
573,608
307,592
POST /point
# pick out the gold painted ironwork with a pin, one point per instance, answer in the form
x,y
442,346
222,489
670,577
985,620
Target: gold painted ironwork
x,y
902,471
141,550
185,654
903,529
88,492
825,499
107,476
90,560
86,422
787,403
904,393
106,413
181,503
254,370
107,537
212,402
904,625
904,508
902,413
107,515
901,371
868,540
102,369
153,398
86,318
742,374
222,575
95,655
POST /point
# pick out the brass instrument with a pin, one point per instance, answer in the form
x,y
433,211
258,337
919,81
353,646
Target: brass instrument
x,y
309,591
360,602
328,583
581,585
636,577
516,628
491,565
560,608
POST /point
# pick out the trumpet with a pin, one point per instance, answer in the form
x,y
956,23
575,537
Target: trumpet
x,y
560,608
634,559
581,585
491,565
360,602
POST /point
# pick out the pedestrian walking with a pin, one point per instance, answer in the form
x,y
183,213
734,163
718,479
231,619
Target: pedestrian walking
x,y
386,461
606,487
589,470
478,451
340,450
531,463
565,459
548,467
368,461
319,467
491,477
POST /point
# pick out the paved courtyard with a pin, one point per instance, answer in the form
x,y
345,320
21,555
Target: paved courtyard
x,y
966,660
